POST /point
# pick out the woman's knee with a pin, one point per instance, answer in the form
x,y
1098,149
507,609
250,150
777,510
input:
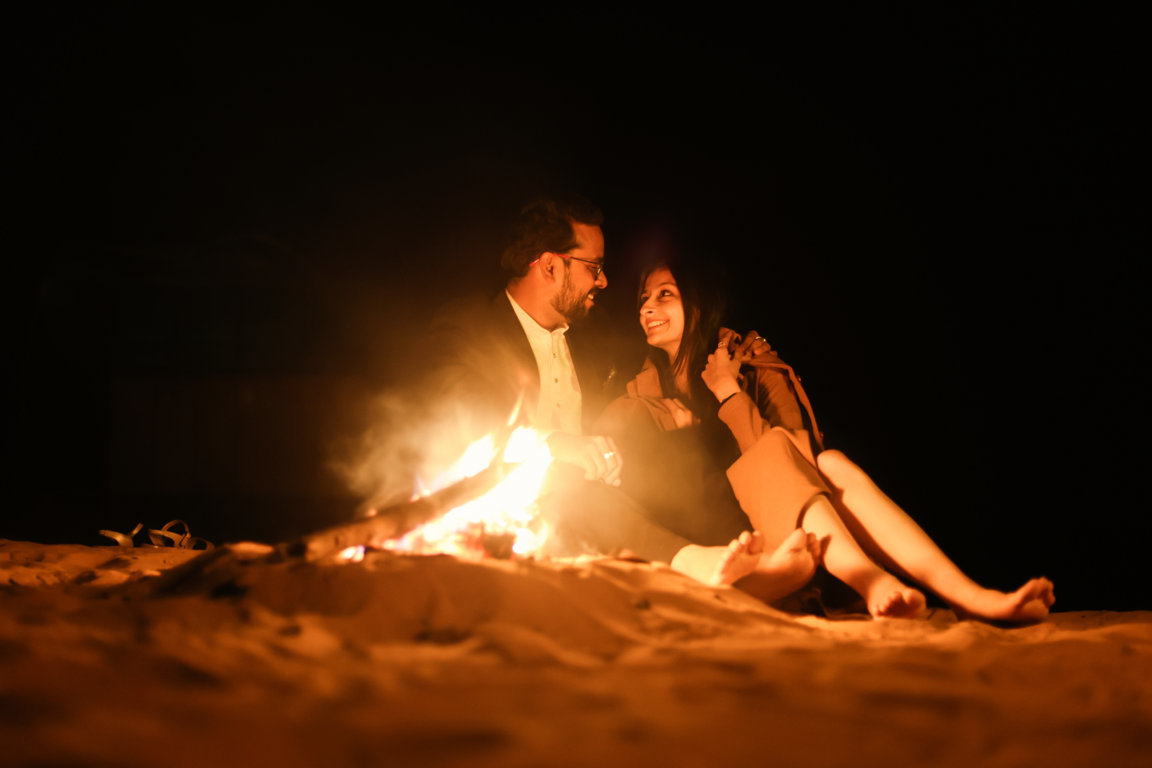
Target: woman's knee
x,y
838,468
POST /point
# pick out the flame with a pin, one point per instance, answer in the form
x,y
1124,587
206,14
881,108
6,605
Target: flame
x,y
504,519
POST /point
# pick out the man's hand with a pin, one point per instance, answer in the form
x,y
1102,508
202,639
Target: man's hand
x,y
595,454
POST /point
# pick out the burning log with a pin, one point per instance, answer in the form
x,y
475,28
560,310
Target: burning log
x,y
515,447
396,520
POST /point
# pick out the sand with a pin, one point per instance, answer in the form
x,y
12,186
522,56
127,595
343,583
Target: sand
x,y
150,656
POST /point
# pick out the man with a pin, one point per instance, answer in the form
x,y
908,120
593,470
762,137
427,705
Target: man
x,y
511,358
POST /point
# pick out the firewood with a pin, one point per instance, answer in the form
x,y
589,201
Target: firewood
x,y
397,519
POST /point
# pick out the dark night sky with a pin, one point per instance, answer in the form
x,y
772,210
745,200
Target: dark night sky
x,y
221,223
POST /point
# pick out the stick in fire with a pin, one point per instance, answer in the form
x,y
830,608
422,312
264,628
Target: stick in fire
x,y
394,521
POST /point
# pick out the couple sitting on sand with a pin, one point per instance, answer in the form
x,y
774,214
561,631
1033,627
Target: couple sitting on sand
x,y
711,460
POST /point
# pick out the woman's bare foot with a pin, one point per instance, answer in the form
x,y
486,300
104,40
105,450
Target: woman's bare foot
x,y
741,557
796,558
1027,604
719,566
744,564
904,603
888,598
788,568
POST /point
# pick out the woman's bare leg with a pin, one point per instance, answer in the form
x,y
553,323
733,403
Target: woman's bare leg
x,y
884,594
887,531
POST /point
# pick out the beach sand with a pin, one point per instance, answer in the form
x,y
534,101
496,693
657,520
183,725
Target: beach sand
x,y
150,656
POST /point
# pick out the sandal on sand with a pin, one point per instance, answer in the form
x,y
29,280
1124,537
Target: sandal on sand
x,y
122,539
163,537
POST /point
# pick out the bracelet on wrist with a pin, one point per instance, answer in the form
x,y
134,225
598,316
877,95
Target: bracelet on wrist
x,y
727,399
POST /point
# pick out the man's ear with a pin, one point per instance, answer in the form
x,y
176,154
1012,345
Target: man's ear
x,y
547,264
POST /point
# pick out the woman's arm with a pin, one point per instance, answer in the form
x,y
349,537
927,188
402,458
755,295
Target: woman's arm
x,y
721,375
751,404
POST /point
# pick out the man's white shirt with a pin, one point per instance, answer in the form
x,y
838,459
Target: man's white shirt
x,y
559,405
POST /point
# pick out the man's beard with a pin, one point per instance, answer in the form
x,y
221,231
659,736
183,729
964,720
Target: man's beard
x,y
570,304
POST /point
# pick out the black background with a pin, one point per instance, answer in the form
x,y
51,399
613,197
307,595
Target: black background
x,y
223,226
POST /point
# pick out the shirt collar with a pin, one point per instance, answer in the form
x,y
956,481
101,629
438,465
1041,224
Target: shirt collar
x,y
531,327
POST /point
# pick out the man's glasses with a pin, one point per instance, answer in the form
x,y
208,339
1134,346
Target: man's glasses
x,y
595,267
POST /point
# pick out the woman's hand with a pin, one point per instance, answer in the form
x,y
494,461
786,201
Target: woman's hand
x,y
721,374
754,347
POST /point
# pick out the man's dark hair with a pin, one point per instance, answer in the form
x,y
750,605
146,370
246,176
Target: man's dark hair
x,y
545,224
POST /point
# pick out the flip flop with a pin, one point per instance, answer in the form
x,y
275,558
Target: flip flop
x,y
183,540
122,539
162,537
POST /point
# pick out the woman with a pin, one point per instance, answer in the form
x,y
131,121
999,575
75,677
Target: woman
x,y
700,375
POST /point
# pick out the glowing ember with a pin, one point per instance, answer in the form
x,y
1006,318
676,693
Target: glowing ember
x,y
352,554
502,522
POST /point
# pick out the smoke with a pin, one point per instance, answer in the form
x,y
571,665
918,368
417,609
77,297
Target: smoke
x,y
406,446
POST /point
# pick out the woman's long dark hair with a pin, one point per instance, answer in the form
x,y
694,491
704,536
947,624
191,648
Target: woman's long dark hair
x,y
702,292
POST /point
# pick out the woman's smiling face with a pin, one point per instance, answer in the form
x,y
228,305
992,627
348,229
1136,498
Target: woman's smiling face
x,y
662,311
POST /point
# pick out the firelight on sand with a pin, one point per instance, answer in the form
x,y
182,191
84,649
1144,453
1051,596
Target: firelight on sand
x,y
158,656
253,654
506,514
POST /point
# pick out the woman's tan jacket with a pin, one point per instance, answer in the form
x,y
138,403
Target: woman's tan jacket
x,y
775,477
